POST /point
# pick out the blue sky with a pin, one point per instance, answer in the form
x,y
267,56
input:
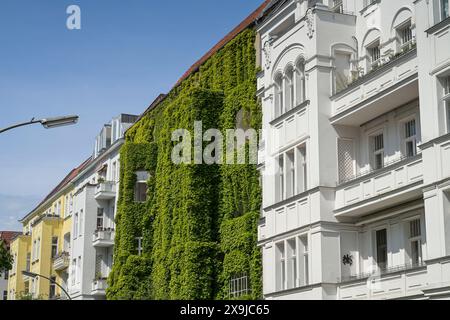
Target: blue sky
x,y
127,52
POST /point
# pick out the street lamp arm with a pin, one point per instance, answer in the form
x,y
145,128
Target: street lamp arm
x,y
34,275
20,125
47,123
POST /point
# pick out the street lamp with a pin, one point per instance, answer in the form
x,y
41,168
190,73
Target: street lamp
x,y
35,275
48,123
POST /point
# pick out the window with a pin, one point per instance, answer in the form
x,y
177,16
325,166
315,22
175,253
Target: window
x,y
239,286
78,274
280,179
304,263
113,172
290,173
38,248
445,13
300,82
140,189
54,247
6,275
377,151
5,295
289,88
342,69
337,6
141,192
410,138
381,248
292,264
415,241
405,35
73,271
28,263
58,208
279,109
66,206
139,248
71,204
281,267
374,54
75,226
302,176
52,289
81,226
100,213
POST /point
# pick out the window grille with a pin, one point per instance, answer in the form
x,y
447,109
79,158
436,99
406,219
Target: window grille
x,y
239,286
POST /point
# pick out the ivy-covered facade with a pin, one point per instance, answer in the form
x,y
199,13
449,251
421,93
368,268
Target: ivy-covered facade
x,y
198,224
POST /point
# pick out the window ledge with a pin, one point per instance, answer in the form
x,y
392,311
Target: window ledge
x,y
438,26
287,114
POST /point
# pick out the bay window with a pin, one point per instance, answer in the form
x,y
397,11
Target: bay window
x,y
291,178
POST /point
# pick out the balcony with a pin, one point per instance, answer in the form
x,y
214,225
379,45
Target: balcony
x,y
99,287
103,238
393,283
105,190
61,261
393,83
394,184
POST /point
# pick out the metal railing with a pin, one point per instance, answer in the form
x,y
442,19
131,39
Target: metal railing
x,y
379,272
386,165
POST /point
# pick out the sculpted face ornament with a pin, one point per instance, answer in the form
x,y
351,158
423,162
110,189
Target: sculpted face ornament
x,y
266,50
310,23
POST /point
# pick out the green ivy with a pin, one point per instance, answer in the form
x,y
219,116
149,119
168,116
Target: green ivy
x,y
199,223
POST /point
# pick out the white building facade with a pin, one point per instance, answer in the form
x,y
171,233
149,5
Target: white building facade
x,y
95,203
356,153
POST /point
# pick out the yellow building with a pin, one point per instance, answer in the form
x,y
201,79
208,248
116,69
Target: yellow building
x,y
44,246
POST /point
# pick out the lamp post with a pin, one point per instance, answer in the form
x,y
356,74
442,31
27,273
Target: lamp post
x,y
35,275
48,123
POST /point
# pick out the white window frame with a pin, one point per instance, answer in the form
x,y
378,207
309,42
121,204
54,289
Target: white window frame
x,y
411,139
375,247
405,34
139,247
412,239
442,14
374,53
375,152
445,81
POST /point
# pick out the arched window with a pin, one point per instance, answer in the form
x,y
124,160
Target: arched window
x,y
289,88
300,82
279,95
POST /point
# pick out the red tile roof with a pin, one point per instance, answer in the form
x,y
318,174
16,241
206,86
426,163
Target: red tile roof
x,y
8,236
61,185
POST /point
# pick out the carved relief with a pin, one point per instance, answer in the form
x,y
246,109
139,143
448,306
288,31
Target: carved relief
x,y
310,23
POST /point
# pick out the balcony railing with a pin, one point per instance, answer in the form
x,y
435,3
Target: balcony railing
x,y
358,77
103,237
105,190
379,272
61,261
363,173
99,286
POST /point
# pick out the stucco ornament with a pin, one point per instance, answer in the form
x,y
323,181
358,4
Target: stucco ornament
x,y
266,50
310,23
